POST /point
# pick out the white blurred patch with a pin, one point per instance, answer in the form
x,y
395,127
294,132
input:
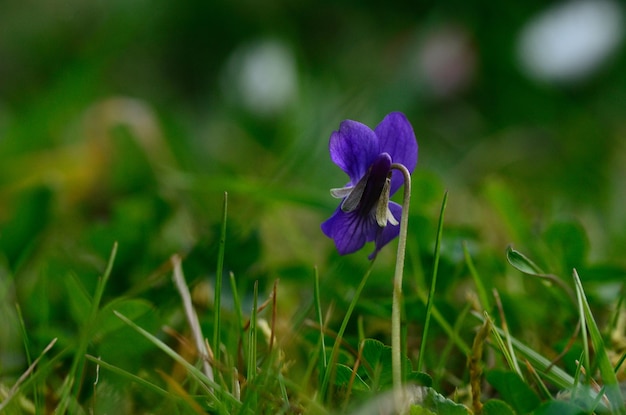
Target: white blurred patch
x,y
446,61
569,41
262,77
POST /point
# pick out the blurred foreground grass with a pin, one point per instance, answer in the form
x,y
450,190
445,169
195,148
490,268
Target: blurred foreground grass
x,y
126,122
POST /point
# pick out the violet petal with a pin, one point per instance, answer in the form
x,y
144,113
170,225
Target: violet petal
x,y
353,148
396,137
350,231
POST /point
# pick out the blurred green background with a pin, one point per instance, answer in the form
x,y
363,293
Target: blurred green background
x,y
128,120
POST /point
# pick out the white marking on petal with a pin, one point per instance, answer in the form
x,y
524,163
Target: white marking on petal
x,y
340,193
382,207
390,217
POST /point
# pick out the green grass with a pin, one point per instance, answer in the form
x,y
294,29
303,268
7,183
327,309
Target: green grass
x,y
157,330
262,368
160,249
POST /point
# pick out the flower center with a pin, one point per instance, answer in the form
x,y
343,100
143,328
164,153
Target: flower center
x,y
370,196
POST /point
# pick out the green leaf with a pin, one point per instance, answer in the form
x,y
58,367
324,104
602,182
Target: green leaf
x,y
344,375
433,402
513,390
558,408
497,407
421,378
377,363
528,267
376,358
372,351
522,263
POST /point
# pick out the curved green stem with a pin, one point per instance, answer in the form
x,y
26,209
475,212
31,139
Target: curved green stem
x,y
396,315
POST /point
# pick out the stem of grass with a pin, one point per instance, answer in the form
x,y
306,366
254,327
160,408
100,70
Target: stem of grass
x,y
480,287
335,350
218,284
320,320
609,379
252,340
433,283
208,385
29,360
78,363
192,317
16,387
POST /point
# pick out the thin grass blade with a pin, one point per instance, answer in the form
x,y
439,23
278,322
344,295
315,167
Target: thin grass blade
x,y
134,378
478,282
208,385
217,303
320,320
14,390
335,350
607,373
431,294
78,362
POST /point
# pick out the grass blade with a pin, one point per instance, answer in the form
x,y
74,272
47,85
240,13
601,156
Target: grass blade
x,y
134,378
446,352
252,337
208,385
13,391
217,303
603,362
478,282
447,328
29,359
433,284
504,349
192,317
342,329
318,312
78,362
547,369
510,351
252,392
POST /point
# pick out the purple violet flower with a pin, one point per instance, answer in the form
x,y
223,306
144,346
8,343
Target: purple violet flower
x,y
366,214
